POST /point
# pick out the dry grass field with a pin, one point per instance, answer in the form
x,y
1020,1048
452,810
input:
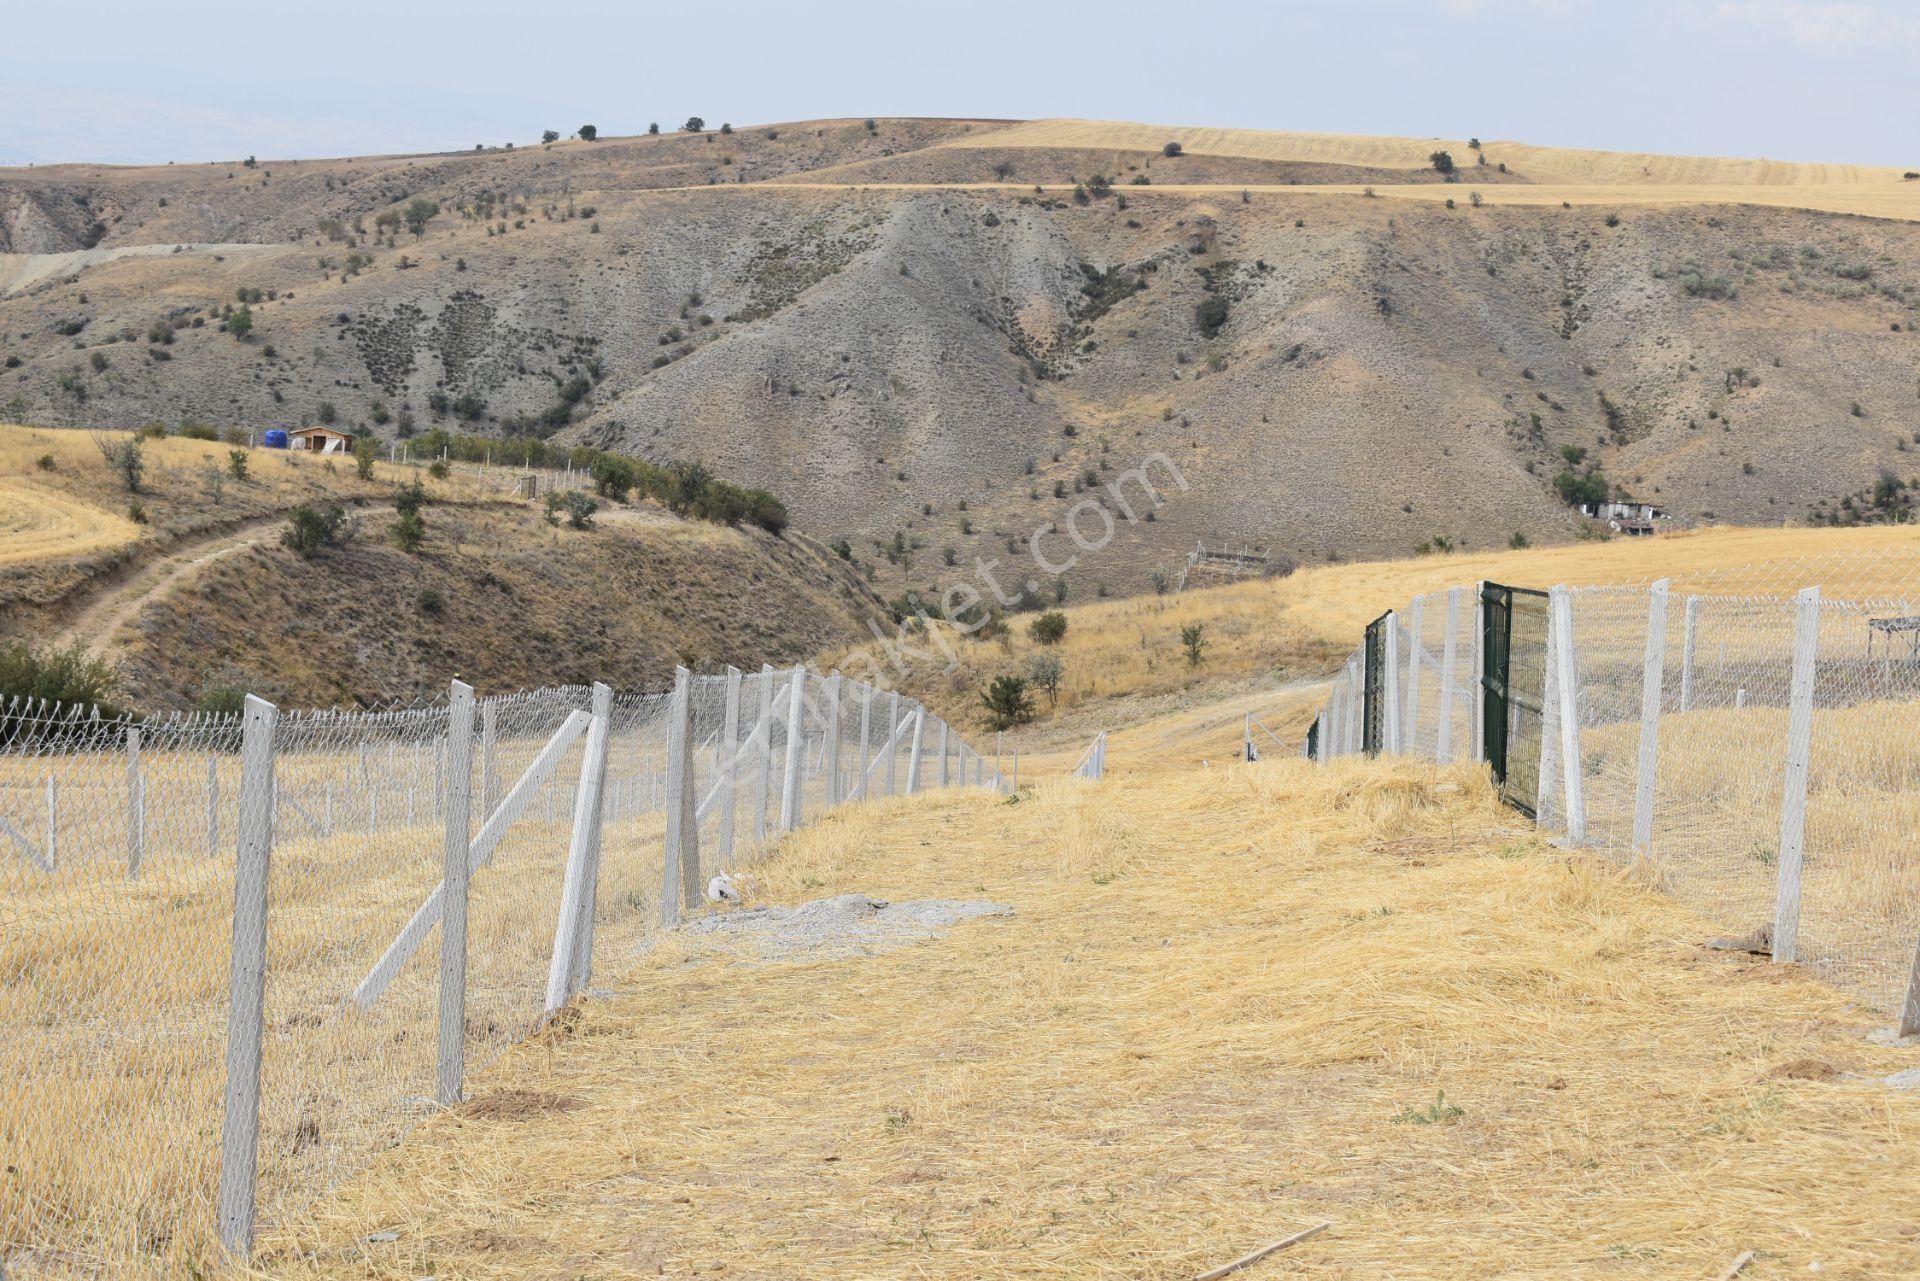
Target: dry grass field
x,y
1542,164
1233,1003
1277,629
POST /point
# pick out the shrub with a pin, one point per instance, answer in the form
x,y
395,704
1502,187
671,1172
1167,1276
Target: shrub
x,y
310,530
1044,673
694,125
1007,701
70,675
237,463
1193,637
364,454
550,135
1171,149
99,362
614,477
125,459
430,601
1576,488
327,413
1048,629
192,430
1211,315
44,462
1442,161
409,530
588,132
437,469
580,510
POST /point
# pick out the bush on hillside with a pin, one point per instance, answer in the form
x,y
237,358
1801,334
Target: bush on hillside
x,y
31,673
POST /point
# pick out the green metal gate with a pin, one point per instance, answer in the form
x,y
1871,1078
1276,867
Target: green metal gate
x,y
1513,681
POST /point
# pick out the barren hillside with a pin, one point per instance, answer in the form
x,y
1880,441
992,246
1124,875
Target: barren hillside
x,y
200,595
808,308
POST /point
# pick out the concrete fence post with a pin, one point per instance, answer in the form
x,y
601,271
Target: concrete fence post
x,y
594,773
893,741
1687,632
866,732
680,789
830,750
578,886
1390,689
1410,734
1350,742
1652,675
1910,1008
729,765
1449,659
763,756
943,753
796,755
136,805
247,982
1793,792
1566,672
452,1062
913,758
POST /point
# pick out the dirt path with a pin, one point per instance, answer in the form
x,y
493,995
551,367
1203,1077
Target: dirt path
x,y
100,622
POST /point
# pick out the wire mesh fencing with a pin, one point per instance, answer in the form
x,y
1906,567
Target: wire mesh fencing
x,y
1752,754
240,956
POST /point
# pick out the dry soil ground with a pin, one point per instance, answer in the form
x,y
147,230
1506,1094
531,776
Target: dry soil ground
x,y
1234,1002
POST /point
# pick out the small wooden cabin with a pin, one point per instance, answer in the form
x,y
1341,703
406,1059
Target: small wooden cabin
x,y
320,440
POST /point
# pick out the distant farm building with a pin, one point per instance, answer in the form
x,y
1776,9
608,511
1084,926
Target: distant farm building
x,y
1622,511
1631,519
320,440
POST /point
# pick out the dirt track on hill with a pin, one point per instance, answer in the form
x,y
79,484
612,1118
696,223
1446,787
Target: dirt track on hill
x,y
99,623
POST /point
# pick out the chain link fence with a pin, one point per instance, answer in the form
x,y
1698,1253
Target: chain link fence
x,y
1751,753
240,956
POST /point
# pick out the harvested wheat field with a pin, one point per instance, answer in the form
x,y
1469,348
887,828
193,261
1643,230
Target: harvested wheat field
x,y
1232,1004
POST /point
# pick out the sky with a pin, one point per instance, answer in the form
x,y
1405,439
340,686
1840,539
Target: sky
x,y
125,82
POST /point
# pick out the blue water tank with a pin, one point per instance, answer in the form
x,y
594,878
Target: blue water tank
x,y
274,439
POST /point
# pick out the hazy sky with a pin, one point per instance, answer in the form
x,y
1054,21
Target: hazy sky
x,y
114,80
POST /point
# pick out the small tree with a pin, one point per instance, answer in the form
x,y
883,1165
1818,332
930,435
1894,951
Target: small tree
x,y
614,477
364,454
410,528
327,412
1161,582
694,125
1210,315
1171,149
1049,628
580,510
550,135
554,505
726,128
237,463
1007,701
1442,161
654,128
419,212
240,323
588,133
1045,672
1193,636
310,530
124,459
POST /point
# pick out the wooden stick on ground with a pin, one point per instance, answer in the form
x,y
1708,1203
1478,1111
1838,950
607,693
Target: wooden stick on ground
x,y
1734,1268
1261,1253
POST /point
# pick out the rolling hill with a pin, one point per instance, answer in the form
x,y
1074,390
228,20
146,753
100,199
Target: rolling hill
x,y
937,339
